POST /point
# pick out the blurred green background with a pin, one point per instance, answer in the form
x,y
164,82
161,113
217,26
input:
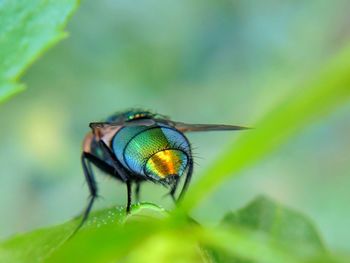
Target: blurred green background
x,y
195,61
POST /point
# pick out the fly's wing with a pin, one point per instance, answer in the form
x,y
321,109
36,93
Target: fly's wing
x,y
183,127
141,122
186,127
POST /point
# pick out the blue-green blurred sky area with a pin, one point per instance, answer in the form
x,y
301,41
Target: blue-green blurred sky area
x,y
215,61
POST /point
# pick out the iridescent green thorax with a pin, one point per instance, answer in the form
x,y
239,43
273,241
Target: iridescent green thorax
x,y
154,151
130,115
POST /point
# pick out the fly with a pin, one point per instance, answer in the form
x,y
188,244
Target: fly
x,y
137,146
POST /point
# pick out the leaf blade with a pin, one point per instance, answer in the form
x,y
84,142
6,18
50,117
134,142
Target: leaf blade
x,y
27,29
56,243
322,95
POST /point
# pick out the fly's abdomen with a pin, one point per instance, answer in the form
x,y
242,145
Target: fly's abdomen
x,y
157,151
166,163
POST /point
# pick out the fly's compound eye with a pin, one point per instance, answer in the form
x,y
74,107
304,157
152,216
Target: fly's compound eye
x,y
157,152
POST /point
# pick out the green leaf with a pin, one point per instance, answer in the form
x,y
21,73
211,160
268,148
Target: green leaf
x,y
27,28
108,236
35,246
39,245
148,235
285,225
321,95
291,231
235,244
261,232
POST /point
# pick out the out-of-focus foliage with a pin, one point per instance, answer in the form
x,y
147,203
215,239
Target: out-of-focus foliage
x,y
288,229
38,245
328,90
26,30
261,232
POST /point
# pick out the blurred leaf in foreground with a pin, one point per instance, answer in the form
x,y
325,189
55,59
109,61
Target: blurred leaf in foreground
x,y
261,232
38,245
35,246
286,229
323,94
27,28
147,235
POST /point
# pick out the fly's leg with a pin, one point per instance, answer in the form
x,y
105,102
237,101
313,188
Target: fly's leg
x,y
187,180
90,180
87,159
185,185
120,172
173,190
137,191
128,204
